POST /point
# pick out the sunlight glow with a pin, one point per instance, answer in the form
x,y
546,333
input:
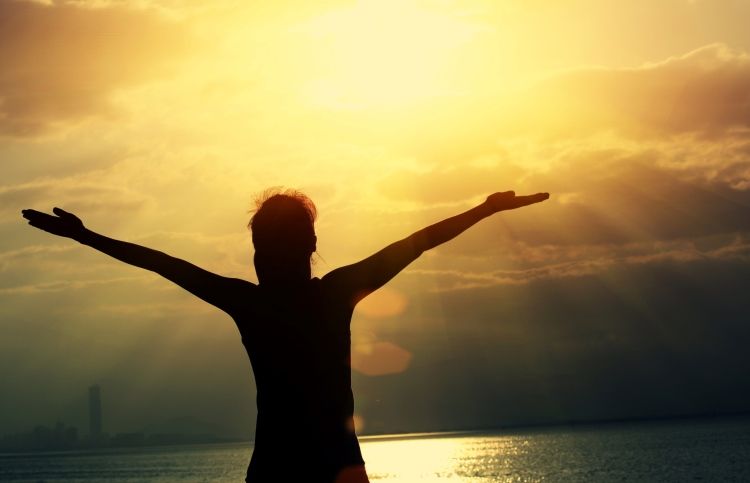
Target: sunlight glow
x,y
384,54
379,358
385,302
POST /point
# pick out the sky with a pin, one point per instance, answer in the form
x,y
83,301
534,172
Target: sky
x,y
159,122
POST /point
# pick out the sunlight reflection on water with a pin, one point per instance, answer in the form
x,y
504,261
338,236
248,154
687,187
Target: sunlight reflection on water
x,y
412,460
712,451
462,458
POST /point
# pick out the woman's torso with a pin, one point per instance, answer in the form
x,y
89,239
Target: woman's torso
x,y
298,342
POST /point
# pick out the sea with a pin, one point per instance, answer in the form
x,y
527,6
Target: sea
x,y
676,450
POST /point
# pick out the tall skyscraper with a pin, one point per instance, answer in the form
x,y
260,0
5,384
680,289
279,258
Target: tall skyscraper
x,y
95,412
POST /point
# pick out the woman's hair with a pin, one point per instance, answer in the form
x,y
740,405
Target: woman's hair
x,y
283,220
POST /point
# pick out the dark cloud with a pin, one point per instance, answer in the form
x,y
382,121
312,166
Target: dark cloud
x,y
61,62
624,196
554,262
643,340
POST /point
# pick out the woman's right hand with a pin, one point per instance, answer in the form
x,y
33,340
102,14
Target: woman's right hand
x,y
64,224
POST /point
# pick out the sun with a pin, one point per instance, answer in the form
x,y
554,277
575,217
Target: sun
x,y
384,54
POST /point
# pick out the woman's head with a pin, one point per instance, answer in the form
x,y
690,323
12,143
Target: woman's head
x,y
283,235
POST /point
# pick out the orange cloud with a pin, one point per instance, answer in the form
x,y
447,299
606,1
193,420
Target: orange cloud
x,y
705,91
60,62
85,196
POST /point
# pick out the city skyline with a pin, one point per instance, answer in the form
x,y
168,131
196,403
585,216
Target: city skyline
x,y
64,437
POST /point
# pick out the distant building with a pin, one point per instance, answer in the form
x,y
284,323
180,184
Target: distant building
x,y
95,412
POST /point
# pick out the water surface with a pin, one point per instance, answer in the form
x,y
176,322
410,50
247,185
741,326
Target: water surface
x,y
698,450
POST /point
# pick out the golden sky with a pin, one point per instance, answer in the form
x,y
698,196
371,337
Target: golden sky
x,y
158,121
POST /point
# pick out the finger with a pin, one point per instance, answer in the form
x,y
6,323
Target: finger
x,y
509,194
30,213
65,215
39,217
41,226
34,214
531,199
61,213
535,198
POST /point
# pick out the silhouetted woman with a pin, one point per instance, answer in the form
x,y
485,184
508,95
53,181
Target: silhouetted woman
x,y
295,328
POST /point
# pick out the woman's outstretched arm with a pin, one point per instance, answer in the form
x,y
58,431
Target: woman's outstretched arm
x,y
212,288
366,276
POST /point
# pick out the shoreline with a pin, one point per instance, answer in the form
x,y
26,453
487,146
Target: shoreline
x,y
373,438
